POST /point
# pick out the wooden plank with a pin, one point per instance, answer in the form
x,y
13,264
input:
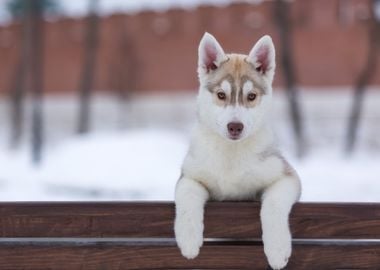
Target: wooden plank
x,y
155,219
110,257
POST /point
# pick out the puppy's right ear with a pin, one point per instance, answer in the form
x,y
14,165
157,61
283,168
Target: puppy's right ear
x,y
210,54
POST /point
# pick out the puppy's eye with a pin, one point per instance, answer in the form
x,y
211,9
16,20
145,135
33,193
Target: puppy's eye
x,y
251,96
221,95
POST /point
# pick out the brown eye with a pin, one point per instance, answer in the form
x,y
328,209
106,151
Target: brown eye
x,y
221,95
251,96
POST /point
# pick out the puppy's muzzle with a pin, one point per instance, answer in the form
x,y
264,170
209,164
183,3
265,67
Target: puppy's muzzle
x,y
235,129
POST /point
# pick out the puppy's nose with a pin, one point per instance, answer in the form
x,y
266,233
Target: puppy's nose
x,y
235,128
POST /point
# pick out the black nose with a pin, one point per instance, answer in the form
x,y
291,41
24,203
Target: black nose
x,y
235,128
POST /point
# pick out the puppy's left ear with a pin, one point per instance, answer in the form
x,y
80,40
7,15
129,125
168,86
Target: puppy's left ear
x,y
262,57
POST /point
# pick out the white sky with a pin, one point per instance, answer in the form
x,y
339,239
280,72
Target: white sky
x,y
74,8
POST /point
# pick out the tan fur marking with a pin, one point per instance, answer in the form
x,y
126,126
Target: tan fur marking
x,y
215,86
256,87
288,169
204,185
236,70
179,179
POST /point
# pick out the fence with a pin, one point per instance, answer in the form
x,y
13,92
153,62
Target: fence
x,y
139,235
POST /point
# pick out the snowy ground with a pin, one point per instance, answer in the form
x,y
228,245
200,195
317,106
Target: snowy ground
x,y
143,161
131,165
144,165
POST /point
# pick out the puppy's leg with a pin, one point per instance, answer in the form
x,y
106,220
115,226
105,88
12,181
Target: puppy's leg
x,y
277,201
190,198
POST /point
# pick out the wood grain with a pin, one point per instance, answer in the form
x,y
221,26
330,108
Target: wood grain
x,y
110,257
239,220
131,235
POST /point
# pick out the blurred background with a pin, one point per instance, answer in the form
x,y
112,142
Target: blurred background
x,y
97,97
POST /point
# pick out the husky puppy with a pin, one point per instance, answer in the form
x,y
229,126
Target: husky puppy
x,y
232,155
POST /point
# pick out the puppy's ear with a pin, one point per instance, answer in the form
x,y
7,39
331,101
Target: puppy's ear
x,y
210,54
262,56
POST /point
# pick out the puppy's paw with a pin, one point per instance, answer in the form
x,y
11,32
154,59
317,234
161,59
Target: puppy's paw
x,y
189,237
278,250
189,250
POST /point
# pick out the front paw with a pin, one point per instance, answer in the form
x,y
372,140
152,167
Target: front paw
x,y
189,238
278,250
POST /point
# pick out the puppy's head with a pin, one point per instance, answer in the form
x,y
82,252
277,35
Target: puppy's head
x,y
235,89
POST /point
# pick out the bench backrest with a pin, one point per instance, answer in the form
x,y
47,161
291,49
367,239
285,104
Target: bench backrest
x,y
139,235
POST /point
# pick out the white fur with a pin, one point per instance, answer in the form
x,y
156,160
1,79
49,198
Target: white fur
x,y
247,87
189,216
218,168
226,87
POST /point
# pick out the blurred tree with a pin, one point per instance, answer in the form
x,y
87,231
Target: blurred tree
x,y
284,25
124,71
36,38
89,63
364,78
28,76
17,7
17,91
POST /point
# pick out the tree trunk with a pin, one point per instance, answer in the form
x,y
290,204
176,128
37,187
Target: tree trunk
x,y
284,27
361,85
17,90
86,84
36,69
124,75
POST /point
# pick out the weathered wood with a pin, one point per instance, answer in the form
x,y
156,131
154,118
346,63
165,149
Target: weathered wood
x,y
131,235
114,256
238,220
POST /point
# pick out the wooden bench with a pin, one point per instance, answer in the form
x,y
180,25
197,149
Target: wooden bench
x,y
133,235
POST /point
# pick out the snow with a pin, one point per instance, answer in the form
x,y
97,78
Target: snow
x,y
332,177
140,164
145,165
140,158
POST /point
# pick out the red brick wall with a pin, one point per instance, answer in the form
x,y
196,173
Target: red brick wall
x,y
158,51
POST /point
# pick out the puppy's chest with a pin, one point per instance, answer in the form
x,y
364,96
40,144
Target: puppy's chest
x,y
233,177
